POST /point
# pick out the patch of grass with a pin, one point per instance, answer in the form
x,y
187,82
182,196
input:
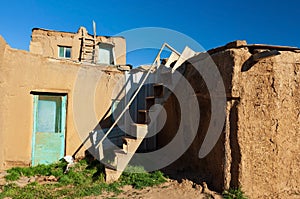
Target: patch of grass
x,y
234,194
53,191
138,178
12,176
134,169
55,169
84,179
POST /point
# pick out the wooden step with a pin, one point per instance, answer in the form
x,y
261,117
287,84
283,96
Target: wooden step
x,y
150,101
128,138
143,117
139,130
123,156
150,97
89,39
87,51
88,55
112,167
89,45
158,90
131,144
112,175
119,151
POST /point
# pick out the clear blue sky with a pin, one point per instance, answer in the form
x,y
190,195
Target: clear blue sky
x,y
211,23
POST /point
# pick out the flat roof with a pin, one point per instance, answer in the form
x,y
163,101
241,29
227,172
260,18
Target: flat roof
x,y
48,30
243,44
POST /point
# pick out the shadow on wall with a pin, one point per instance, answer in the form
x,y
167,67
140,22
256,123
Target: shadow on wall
x,y
189,166
112,113
234,145
210,169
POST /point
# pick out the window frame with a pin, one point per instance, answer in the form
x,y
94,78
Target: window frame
x,y
64,51
111,50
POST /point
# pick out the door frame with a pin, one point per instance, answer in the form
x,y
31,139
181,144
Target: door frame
x,y
63,121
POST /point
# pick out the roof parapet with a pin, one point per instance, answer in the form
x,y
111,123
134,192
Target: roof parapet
x,y
252,47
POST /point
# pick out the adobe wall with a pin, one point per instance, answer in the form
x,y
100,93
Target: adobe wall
x,y
211,168
46,42
258,149
268,124
2,50
23,72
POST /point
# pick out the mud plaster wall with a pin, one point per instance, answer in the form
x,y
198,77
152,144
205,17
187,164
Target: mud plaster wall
x,y
46,42
259,146
211,168
2,50
23,72
268,124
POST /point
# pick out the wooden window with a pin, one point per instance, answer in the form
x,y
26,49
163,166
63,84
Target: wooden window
x,y
106,54
64,52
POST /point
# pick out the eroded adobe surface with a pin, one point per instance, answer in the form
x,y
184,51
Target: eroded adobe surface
x,y
259,146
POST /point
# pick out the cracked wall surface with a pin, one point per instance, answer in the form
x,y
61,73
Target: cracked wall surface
x,y
269,125
259,147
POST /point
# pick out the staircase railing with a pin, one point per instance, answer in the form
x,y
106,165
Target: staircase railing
x,y
155,62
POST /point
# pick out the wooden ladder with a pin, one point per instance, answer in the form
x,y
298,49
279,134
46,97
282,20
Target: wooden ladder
x,y
88,49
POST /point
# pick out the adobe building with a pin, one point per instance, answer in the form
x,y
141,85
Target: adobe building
x,y
258,149
38,88
80,46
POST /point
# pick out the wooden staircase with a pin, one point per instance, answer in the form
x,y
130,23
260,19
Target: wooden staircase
x,y
139,129
132,143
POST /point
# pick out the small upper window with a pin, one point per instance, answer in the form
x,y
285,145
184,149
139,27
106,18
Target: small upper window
x,y
64,52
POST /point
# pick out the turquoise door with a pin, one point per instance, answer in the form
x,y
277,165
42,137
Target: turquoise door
x,y
48,140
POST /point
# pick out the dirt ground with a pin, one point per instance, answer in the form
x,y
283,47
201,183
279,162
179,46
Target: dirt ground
x,y
171,190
